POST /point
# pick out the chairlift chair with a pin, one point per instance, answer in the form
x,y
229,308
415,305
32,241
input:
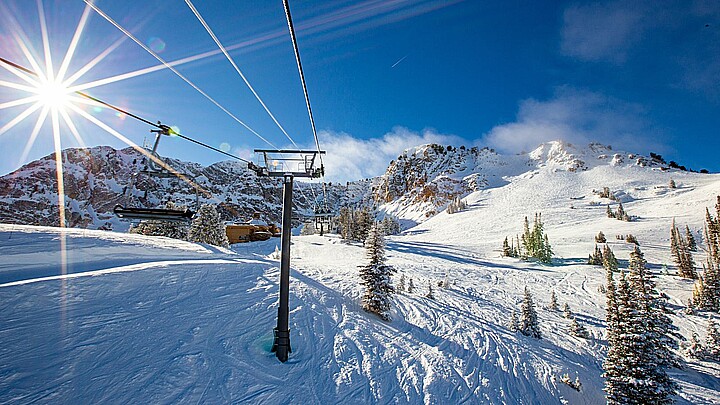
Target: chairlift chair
x,y
151,168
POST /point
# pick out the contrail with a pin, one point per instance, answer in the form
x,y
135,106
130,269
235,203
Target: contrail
x,y
398,62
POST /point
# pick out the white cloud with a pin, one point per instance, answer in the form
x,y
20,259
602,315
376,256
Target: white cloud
x,y
579,117
604,30
349,158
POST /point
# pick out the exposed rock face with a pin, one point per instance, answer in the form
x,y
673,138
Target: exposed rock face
x,y
417,185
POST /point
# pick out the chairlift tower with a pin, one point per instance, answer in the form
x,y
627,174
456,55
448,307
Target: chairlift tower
x,y
287,164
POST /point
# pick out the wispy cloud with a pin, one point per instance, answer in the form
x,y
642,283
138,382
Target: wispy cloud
x,y
604,31
682,37
576,116
350,158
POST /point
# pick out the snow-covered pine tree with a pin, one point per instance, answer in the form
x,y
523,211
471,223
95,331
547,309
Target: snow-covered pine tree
x,y
207,227
690,240
376,276
411,287
712,341
710,287
567,313
506,250
390,225
620,212
694,349
553,306
430,294
363,222
401,284
529,325
514,323
609,212
672,184
578,330
609,261
596,258
600,237
346,221
650,336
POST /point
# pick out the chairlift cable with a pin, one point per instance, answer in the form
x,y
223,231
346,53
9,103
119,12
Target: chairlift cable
x,y
237,69
293,38
169,66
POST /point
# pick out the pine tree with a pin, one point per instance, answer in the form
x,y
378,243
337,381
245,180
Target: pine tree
x,y
578,330
390,225
553,306
361,228
429,294
596,258
376,276
609,261
401,284
640,346
411,287
506,250
529,325
681,254
672,184
207,227
567,313
600,237
694,349
690,240
712,341
620,213
609,212
514,323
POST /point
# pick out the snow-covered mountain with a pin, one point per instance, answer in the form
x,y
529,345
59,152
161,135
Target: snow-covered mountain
x,y
416,186
422,180
96,179
93,316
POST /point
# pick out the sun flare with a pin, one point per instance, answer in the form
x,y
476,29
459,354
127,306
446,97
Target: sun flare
x,y
54,94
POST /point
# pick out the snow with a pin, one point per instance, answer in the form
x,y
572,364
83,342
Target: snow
x,y
143,319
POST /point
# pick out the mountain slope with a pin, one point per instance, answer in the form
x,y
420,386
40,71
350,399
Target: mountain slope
x,y
191,324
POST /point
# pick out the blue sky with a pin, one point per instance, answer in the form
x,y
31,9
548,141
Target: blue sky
x,y
385,75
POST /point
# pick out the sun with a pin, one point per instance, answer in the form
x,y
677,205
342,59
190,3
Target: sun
x,y
53,94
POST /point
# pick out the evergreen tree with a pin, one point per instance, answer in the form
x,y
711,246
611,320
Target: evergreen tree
x,y
567,313
363,222
390,225
514,323
376,276
578,330
694,349
712,341
401,283
690,240
620,213
609,212
553,306
609,261
672,184
596,258
411,287
506,249
600,237
207,227
529,325
681,254
430,294
641,343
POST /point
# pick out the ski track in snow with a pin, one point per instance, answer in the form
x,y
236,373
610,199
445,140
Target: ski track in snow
x,y
152,320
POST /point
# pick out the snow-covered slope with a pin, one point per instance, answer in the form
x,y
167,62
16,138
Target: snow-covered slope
x,y
187,323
